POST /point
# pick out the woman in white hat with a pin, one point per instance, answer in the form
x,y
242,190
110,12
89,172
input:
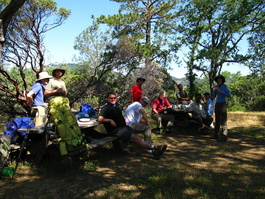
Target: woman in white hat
x,y
35,97
56,82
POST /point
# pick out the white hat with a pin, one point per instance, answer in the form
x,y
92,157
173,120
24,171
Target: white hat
x,y
44,75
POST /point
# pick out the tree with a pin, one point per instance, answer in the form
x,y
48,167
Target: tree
x,y
5,17
149,22
24,48
219,26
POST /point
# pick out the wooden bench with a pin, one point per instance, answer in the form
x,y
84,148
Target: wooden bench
x,y
83,125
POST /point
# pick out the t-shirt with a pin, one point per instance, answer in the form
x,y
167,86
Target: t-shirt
x,y
158,104
38,90
132,113
137,93
55,84
110,111
210,108
199,108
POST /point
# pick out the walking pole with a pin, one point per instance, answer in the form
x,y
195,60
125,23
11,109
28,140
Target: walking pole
x,y
22,147
33,114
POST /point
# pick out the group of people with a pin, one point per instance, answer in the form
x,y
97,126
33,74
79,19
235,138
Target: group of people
x,y
135,120
45,87
122,127
201,108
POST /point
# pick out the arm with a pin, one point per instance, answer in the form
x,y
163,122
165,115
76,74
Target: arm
x,y
102,119
144,118
30,98
49,92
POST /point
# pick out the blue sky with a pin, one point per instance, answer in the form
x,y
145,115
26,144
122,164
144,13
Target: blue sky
x,y
59,42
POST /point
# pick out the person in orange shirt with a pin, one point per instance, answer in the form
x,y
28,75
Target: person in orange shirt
x,y
136,92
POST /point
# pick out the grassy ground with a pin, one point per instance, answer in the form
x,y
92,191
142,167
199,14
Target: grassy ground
x,y
194,166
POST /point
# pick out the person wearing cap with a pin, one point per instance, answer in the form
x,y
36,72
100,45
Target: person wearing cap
x,y
57,82
35,97
136,91
159,114
209,102
136,117
115,125
221,92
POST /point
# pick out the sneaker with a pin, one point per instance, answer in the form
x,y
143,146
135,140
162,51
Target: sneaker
x,y
158,151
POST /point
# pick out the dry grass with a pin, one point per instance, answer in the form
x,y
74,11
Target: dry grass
x,y
194,166
246,118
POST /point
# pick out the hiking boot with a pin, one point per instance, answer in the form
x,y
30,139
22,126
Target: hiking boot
x,y
158,151
215,136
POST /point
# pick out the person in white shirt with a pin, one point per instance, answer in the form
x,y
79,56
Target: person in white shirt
x,y
136,117
199,113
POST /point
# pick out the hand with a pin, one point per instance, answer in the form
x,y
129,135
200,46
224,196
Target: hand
x,y
59,90
112,123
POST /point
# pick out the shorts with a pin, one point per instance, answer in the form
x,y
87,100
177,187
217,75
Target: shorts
x,y
123,133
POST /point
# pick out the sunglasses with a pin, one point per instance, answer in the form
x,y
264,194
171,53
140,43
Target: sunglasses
x,y
112,97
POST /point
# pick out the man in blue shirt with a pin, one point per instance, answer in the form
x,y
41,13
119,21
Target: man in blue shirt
x,y
221,92
35,97
209,102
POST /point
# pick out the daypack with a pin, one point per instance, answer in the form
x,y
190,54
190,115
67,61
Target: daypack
x,y
18,123
87,109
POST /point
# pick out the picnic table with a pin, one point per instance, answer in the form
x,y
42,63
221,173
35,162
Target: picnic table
x,y
182,117
87,127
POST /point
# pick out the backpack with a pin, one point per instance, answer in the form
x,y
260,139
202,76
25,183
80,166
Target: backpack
x,y
18,123
87,109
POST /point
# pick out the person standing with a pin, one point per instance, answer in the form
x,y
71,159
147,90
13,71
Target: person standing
x,y
221,92
114,123
56,82
136,117
35,97
136,91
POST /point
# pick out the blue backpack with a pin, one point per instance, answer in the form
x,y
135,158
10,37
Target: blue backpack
x,y
18,123
87,109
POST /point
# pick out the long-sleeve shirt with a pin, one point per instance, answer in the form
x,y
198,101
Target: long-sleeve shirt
x,y
221,96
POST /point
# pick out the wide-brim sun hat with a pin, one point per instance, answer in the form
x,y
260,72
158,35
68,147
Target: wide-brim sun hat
x,y
44,75
62,71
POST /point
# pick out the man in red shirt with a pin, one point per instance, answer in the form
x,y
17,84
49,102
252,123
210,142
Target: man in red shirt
x,y
136,92
159,106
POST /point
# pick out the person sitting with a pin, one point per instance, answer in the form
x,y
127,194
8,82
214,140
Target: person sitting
x,y
198,109
182,96
114,123
136,117
210,106
35,97
159,106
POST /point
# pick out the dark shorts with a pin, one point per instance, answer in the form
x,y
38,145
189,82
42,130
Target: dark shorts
x,y
123,133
